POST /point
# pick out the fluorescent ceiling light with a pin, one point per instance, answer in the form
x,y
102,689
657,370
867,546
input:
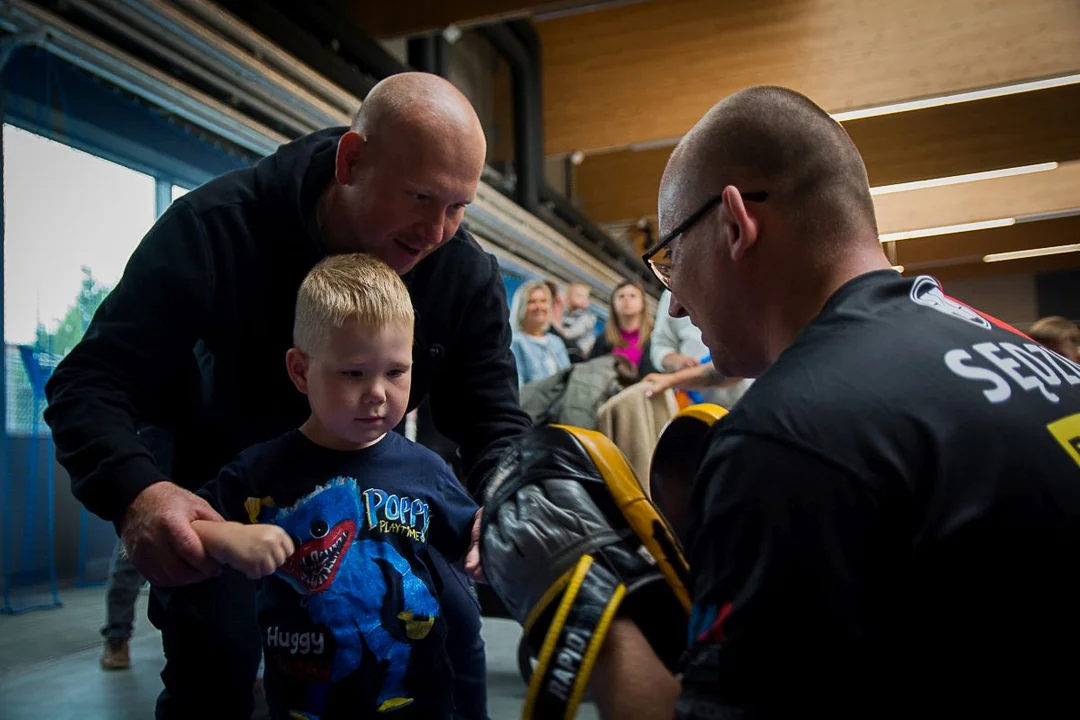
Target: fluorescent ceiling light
x,y
957,179
1037,252
957,98
947,229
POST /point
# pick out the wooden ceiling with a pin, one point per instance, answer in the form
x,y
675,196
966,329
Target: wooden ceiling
x,y
624,80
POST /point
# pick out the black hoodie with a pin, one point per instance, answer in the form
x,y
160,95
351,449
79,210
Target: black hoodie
x,y
194,336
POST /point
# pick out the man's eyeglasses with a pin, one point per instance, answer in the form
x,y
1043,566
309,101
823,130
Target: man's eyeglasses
x,y
659,257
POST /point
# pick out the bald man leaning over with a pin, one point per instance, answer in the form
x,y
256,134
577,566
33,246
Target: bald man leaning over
x,y
888,523
193,340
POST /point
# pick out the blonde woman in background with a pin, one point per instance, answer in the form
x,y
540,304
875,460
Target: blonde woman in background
x,y
538,353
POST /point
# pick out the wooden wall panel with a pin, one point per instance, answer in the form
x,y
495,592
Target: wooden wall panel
x,y
1015,196
624,185
647,71
961,248
990,134
960,257
621,185
1028,266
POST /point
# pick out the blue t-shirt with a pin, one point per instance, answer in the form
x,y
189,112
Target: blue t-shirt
x,y
351,622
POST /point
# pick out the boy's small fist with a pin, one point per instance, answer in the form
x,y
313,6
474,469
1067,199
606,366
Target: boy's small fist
x,y
260,550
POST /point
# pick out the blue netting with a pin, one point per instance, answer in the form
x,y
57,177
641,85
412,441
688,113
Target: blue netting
x,y
27,519
96,541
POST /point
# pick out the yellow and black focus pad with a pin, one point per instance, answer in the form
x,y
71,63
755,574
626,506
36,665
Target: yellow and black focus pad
x,y
568,542
676,459
639,512
584,615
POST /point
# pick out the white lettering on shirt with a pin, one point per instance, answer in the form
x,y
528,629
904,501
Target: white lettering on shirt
x,y
1000,392
1007,365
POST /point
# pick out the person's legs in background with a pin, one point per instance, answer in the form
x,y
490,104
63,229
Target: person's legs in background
x,y
121,591
124,582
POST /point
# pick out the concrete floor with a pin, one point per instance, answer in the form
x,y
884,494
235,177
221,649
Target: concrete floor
x,y
49,666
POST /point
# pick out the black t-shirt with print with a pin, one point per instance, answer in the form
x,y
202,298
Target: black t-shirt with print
x,y
888,523
351,623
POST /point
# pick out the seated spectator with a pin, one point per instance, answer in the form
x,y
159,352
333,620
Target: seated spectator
x,y
724,391
629,324
539,354
555,321
1059,334
578,321
676,342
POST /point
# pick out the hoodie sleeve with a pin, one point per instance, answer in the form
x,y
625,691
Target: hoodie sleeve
x,y
135,352
477,404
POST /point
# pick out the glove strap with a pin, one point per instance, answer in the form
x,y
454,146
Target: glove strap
x,y
588,606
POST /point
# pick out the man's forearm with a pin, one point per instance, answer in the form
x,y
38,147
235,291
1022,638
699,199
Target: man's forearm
x,y
629,681
700,377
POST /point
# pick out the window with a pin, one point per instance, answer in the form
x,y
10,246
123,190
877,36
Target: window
x,y
71,221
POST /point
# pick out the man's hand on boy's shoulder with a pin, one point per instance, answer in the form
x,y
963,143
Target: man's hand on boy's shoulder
x,y
472,558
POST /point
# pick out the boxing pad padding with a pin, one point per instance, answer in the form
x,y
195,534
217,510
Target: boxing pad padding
x,y
675,462
568,542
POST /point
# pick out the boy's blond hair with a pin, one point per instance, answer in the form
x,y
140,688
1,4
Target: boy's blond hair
x,y
341,288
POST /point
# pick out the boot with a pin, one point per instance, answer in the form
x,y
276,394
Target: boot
x,y
117,654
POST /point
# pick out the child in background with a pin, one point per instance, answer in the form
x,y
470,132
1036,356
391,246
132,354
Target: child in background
x,y
578,322
337,517
1059,334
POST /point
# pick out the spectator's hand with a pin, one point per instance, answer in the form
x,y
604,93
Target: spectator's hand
x,y
558,306
255,550
158,537
674,362
656,383
472,558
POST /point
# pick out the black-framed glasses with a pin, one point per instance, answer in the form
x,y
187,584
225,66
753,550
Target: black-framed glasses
x,y
659,257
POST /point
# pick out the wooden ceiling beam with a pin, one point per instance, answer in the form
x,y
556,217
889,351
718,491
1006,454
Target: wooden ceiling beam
x,y
968,247
1016,196
957,139
648,71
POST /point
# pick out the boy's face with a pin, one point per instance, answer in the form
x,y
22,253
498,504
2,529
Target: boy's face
x,y
357,383
578,297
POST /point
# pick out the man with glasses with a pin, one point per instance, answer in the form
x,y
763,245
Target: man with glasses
x,y
888,523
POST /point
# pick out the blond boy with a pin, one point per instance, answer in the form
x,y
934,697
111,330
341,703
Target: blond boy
x,y
337,517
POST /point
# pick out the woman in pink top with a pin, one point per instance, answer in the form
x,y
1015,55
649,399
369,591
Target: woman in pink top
x,y
628,326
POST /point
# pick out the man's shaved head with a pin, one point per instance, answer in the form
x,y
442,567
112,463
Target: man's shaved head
x,y
774,139
422,103
406,169
794,222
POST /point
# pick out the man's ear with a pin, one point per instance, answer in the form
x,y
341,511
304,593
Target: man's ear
x,y
350,150
296,362
742,228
